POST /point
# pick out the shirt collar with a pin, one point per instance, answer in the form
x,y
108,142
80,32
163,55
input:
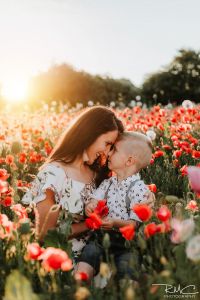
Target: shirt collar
x,y
127,181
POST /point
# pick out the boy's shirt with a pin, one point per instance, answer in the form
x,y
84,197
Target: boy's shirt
x,y
115,192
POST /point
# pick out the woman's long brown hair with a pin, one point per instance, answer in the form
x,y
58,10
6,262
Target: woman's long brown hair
x,y
92,123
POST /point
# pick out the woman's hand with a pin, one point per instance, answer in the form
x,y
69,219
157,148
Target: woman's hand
x,y
90,207
107,223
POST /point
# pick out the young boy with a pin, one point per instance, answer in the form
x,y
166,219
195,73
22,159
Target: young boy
x,y
131,153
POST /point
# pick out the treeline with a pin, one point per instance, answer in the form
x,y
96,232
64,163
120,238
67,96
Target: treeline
x,y
63,83
174,83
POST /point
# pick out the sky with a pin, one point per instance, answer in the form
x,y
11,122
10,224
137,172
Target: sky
x,y
120,38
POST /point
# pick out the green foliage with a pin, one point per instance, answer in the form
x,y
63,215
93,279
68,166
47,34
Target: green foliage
x,y
178,81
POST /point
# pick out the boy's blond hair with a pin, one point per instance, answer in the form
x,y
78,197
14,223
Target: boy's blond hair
x,y
139,146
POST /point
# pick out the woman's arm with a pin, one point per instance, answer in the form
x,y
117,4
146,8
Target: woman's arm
x,y
109,223
78,229
48,215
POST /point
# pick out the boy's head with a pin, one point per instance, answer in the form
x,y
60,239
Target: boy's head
x,y
131,150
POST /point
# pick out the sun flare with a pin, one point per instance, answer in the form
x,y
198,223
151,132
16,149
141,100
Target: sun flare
x,y
15,90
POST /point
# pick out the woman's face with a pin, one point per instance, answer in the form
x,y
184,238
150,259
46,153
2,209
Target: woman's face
x,y
101,146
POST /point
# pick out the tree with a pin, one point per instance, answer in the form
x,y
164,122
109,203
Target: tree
x,y
178,81
63,83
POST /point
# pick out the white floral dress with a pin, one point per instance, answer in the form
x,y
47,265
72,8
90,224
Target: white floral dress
x,y
70,194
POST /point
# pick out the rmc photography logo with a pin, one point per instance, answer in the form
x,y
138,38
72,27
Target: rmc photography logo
x,y
179,292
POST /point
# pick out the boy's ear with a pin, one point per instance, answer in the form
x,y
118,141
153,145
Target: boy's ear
x,y
130,161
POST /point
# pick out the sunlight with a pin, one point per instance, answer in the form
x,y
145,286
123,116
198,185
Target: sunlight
x,y
14,90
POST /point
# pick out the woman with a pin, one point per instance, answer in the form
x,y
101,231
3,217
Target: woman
x,y
72,171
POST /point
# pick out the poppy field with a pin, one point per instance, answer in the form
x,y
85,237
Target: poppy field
x,y
166,247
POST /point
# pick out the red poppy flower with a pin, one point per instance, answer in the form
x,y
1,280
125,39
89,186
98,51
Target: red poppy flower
x,y
163,214
3,174
195,154
158,153
94,221
7,201
150,229
177,153
192,205
184,170
101,208
81,276
143,211
22,158
127,231
152,187
9,159
167,147
54,259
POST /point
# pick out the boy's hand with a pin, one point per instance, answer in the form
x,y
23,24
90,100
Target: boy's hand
x,y
150,199
90,207
107,223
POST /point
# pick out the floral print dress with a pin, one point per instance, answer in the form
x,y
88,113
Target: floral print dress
x,y
70,194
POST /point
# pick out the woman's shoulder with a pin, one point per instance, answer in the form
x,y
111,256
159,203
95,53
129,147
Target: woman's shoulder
x,y
53,169
51,177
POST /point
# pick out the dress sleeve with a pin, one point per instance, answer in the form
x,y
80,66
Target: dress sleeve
x,y
138,194
100,192
51,178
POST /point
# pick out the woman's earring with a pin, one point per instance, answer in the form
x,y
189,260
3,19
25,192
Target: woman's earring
x,y
85,156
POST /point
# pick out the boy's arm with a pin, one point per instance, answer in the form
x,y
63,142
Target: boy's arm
x,y
98,194
109,223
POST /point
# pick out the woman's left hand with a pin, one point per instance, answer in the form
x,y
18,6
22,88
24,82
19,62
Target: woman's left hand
x,y
107,223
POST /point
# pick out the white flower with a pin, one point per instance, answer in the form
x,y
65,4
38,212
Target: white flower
x,y
187,104
193,248
138,98
112,104
139,103
151,135
132,103
90,103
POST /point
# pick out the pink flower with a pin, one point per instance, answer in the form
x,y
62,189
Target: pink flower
x,y
3,186
194,178
192,205
182,230
34,251
20,211
6,227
